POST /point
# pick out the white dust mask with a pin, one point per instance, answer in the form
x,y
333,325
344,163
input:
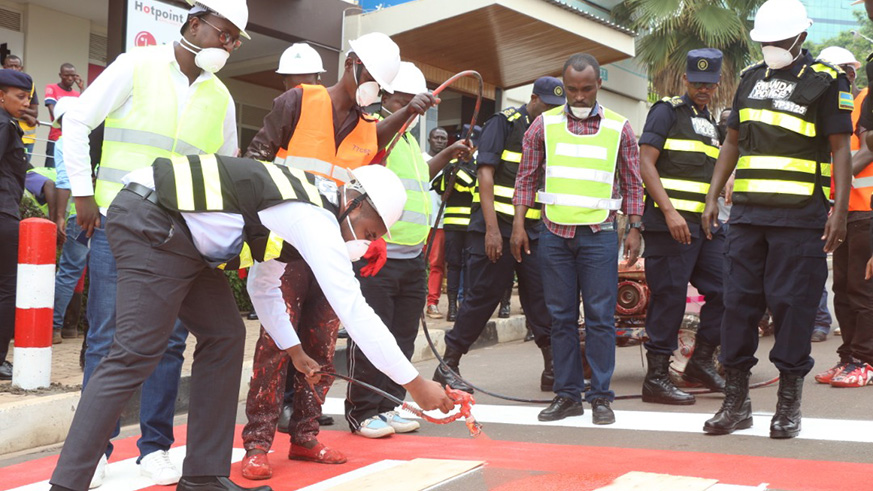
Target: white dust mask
x,y
777,58
581,112
356,248
207,59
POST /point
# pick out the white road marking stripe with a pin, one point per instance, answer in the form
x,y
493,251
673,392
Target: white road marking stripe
x,y
837,430
124,475
349,476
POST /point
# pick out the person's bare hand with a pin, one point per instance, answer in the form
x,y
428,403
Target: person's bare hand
x,y
304,364
429,395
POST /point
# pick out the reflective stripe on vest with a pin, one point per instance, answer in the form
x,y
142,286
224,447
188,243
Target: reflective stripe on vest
x,y
408,164
153,127
699,188
862,184
580,169
826,179
776,186
511,156
313,148
782,120
691,146
29,133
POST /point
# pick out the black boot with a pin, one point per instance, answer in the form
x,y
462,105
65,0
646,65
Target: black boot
x,y
446,377
736,410
503,313
453,307
285,418
786,421
657,387
701,369
547,379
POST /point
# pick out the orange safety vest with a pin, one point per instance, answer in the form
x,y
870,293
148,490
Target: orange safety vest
x,y
312,147
862,184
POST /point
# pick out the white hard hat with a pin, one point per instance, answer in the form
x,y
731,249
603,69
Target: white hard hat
x,y
409,79
236,11
300,59
63,105
380,56
836,55
384,189
779,19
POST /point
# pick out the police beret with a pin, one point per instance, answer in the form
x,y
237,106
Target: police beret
x,y
14,78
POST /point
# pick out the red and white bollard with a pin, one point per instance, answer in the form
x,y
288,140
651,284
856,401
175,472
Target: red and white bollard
x,y
34,303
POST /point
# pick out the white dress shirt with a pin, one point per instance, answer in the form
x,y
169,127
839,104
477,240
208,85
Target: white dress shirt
x,y
315,233
110,95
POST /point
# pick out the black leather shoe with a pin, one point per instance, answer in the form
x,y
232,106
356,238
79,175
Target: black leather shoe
x,y
452,314
285,418
253,316
601,413
444,376
217,484
547,378
701,367
503,313
736,410
5,371
560,408
786,421
657,386
325,420
342,333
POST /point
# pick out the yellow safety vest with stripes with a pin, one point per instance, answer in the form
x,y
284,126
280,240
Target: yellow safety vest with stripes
x,y
783,159
407,162
153,127
210,183
507,169
456,215
687,160
580,169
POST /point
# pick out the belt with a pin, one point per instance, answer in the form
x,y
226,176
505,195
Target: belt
x,y
145,192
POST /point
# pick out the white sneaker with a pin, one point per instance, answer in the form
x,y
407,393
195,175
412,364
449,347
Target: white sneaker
x,y
374,427
400,425
157,467
99,473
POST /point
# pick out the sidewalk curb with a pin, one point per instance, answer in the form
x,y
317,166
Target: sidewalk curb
x,y
38,421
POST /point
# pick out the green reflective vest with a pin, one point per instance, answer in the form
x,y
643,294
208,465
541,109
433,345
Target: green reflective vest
x,y
52,174
153,127
580,169
407,162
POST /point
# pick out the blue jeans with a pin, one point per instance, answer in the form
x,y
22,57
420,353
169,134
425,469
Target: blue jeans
x,y
823,318
74,257
28,151
586,264
159,391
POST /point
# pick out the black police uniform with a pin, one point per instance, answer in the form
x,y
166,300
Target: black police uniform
x,y
500,147
688,143
774,252
13,167
456,219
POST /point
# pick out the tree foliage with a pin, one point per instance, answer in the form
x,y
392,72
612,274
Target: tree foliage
x,y
668,29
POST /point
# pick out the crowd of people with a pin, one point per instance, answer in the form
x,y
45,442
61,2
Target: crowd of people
x,y
744,207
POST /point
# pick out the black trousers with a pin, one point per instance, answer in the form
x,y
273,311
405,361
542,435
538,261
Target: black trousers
x,y
455,251
853,295
487,283
777,267
161,277
670,266
8,276
397,294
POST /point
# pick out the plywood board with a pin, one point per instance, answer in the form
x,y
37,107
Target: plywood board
x,y
414,475
648,481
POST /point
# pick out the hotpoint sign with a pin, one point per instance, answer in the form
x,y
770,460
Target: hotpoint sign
x,y
151,22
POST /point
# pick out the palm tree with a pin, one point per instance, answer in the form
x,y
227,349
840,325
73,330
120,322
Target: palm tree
x,y
670,28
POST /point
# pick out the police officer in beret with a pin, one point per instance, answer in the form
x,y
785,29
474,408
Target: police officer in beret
x,y
15,91
490,264
678,149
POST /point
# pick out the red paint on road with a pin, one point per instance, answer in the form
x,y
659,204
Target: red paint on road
x,y
523,466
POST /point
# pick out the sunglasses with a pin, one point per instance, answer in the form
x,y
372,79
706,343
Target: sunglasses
x,y
703,85
224,37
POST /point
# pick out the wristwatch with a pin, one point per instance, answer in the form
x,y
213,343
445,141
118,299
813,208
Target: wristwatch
x,y
636,225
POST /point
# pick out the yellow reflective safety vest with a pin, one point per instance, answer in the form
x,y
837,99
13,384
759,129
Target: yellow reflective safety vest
x,y
456,215
507,169
688,158
580,169
52,174
783,160
407,162
153,128
204,183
